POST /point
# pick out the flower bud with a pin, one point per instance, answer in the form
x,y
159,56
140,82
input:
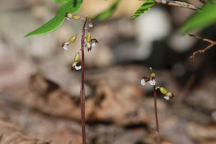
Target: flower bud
x,y
152,82
88,37
76,17
152,75
65,45
76,66
163,90
77,57
90,23
73,39
143,82
166,97
69,15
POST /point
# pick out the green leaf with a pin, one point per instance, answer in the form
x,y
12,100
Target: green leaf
x,y
59,1
148,4
71,6
107,13
201,19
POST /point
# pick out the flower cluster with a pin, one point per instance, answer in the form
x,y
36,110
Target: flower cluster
x,y
65,45
152,81
76,65
90,42
166,94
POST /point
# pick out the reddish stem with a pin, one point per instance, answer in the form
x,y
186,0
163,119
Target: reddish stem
x,y
82,90
156,115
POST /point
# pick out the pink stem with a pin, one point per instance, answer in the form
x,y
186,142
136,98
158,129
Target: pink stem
x,y
82,90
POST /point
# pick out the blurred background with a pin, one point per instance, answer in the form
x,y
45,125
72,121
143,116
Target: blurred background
x,y
39,94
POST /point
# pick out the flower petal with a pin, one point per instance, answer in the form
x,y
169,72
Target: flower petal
x,y
152,82
65,46
78,67
142,82
166,97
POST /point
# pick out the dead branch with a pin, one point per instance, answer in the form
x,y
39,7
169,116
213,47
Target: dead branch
x,y
212,43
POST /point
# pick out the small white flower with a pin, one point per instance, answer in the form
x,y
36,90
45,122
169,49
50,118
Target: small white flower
x,y
90,25
166,97
69,15
68,19
78,67
142,82
93,44
65,46
88,45
152,82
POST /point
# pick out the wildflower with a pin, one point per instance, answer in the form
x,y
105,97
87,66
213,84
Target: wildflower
x,y
168,96
76,17
152,82
90,23
65,45
77,57
76,65
72,16
163,90
152,76
88,37
73,39
89,42
143,82
93,43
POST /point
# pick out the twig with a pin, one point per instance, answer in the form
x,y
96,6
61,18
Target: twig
x,y
156,115
82,90
176,4
212,43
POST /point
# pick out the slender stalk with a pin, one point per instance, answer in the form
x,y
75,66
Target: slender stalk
x,y
177,4
156,115
82,90
212,43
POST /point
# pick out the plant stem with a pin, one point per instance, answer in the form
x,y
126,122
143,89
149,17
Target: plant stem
x,y
177,4
156,115
82,90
